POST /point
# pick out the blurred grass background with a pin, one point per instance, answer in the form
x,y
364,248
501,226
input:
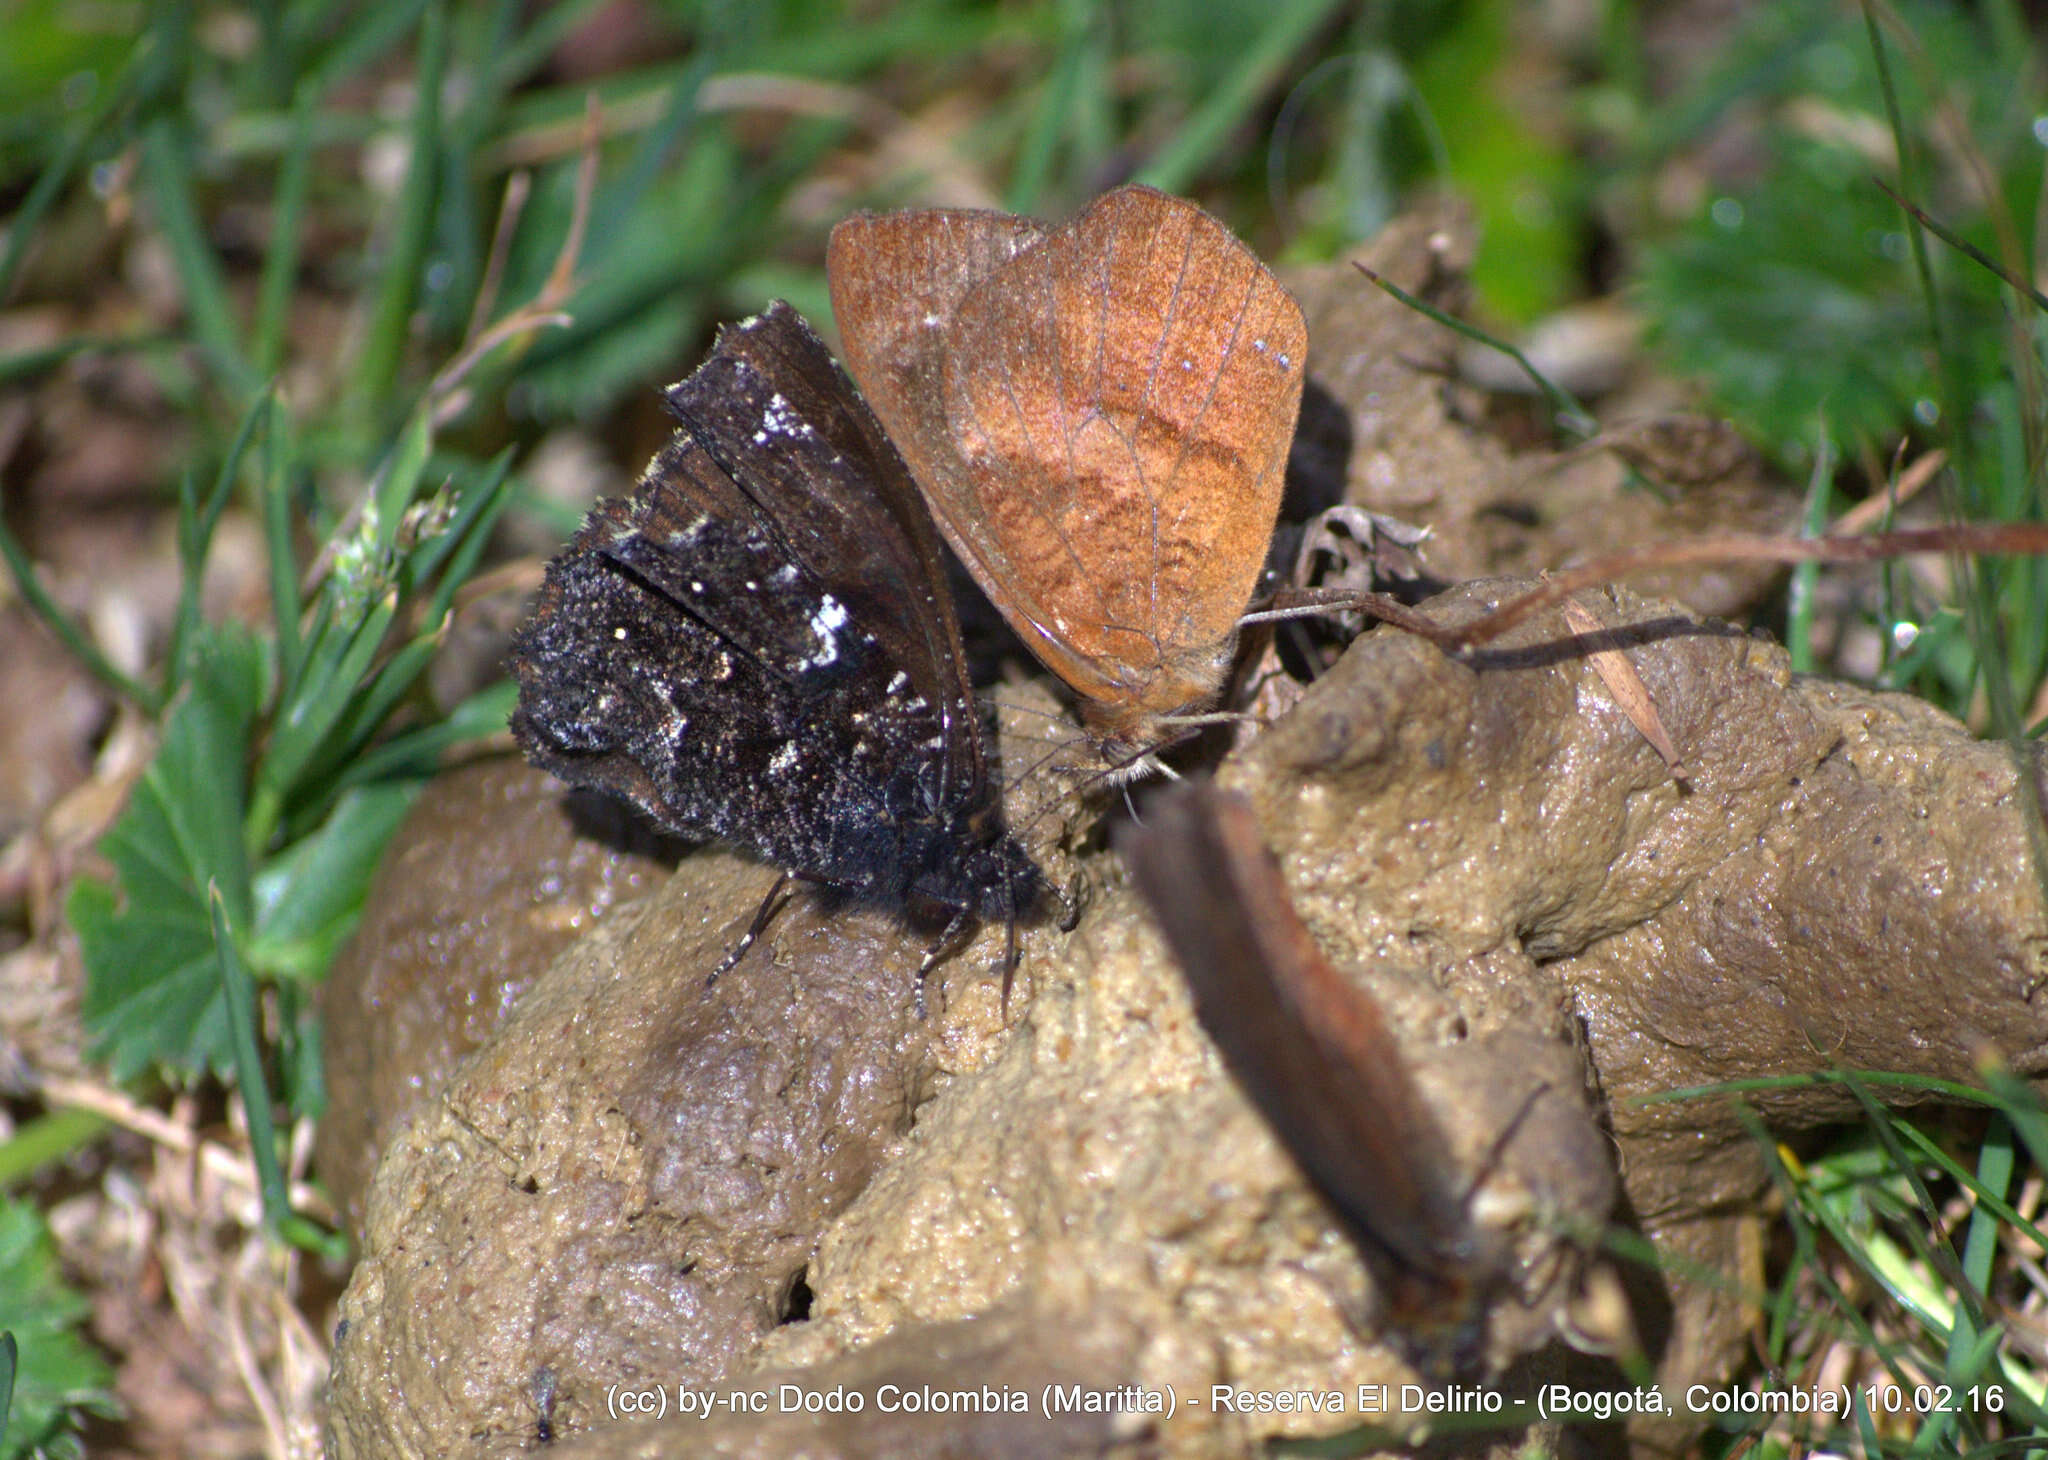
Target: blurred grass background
x,y
243,244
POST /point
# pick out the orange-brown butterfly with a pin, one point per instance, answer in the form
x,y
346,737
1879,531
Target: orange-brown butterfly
x,y
1099,415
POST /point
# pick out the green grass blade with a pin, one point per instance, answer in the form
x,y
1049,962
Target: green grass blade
x,y
1565,410
29,584
400,482
362,716
1205,133
26,221
167,170
288,217
239,992
416,752
286,607
464,540
1081,35
308,897
29,366
10,1355
613,207
544,32
390,317
38,1144
371,32
305,722
196,524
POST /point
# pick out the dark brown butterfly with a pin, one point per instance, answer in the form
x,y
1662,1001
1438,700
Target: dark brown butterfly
x,y
1316,1057
1099,415
759,645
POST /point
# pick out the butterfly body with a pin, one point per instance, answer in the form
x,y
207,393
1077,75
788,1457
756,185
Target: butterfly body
x,y
1099,415
757,645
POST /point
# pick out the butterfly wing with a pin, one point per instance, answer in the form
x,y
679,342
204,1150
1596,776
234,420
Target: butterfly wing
x,y
783,422
897,279
756,645
1311,1051
1102,423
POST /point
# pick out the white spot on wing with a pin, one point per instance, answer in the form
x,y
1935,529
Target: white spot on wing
x,y
825,626
780,420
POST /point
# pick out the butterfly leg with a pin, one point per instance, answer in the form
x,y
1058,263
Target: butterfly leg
x,y
768,908
959,928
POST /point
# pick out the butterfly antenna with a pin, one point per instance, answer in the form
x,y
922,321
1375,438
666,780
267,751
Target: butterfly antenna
x,y
1016,708
1059,722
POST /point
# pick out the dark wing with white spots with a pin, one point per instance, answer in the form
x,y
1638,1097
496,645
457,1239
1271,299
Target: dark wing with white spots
x,y
787,425
756,646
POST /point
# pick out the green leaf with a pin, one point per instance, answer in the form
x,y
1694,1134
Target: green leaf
x,y
308,897
152,992
57,1375
400,483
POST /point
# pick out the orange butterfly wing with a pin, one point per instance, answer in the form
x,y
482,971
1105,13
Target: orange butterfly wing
x,y
1099,417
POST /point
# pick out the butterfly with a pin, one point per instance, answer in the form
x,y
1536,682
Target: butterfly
x,y
1314,1054
1099,416
758,646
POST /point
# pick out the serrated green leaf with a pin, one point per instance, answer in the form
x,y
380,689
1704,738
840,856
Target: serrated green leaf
x,y
57,1374
151,992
